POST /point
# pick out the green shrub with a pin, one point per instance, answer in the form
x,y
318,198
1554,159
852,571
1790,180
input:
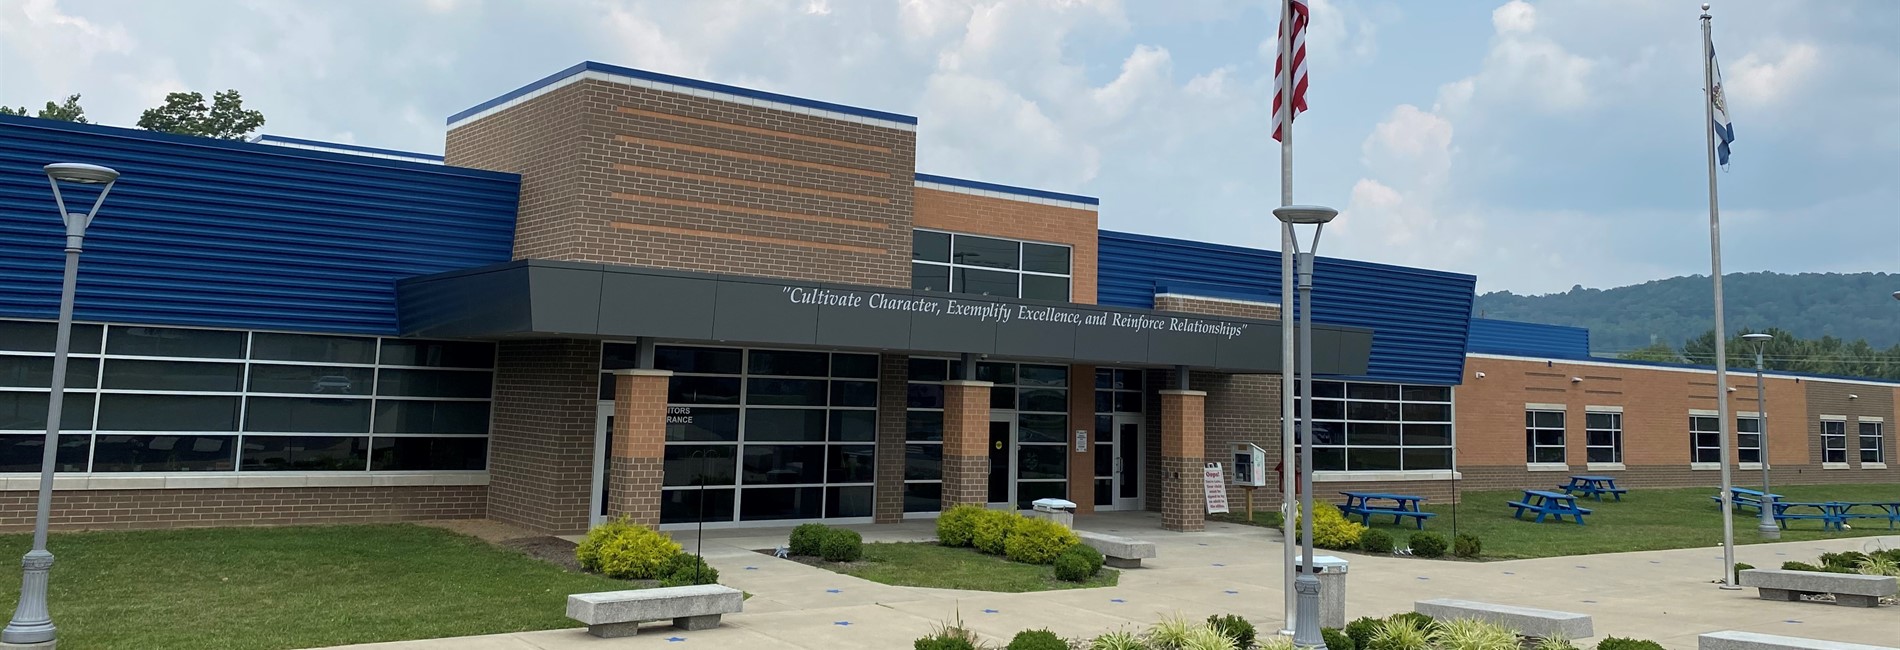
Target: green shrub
x,y
1849,560
1375,541
806,538
1619,643
1337,640
1360,630
687,569
1118,640
1401,633
1207,638
1879,565
1038,541
1276,642
1427,544
1078,563
1037,640
956,526
1472,634
1553,643
1423,621
1170,633
1792,565
936,642
840,545
1234,627
1331,529
1467,545
950,635
1892,554
1739,568
624,550
992,528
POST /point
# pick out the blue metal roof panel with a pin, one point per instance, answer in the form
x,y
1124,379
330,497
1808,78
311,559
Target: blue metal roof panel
x,y
1006,189
1493,336
1418,316
593,66
274,139
223,233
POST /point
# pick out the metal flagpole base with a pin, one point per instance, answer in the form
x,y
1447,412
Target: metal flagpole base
x,y
32,626
1769,531
1306,625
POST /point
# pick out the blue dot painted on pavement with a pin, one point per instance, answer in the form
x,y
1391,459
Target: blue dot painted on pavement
x,y
751,568
1780,553
675,639
991,611
1219,564
1423,578
1201,544
1791,621
841,623
1510,573
1116,600
1231,592
1655,561
1590,601
834,591
1582,566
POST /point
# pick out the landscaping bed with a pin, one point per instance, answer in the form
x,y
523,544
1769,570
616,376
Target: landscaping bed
x,y
977,549
293,587
928,564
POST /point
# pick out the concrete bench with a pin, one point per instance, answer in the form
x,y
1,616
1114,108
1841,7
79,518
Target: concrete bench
x,y
613,614
1848,589
1732,640
1118,552
1539,623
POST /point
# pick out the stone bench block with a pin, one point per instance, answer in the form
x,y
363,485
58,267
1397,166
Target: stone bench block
x,y
612,614
1541,623
1733,640
1849,590
1119,552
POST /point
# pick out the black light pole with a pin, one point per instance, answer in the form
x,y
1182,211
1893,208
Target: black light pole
x,y
32,623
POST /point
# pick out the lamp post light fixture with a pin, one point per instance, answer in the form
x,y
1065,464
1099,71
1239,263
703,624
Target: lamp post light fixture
x,y
1767,528
1306,585
32,625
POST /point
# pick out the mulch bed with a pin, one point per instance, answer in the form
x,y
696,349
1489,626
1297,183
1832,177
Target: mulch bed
x,y
553,550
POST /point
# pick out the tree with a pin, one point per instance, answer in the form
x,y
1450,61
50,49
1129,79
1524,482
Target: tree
x,y
1654,352
67,111
186,114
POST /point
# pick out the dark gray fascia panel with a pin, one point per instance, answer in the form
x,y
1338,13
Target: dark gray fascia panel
x,y
566,301
491,303
663,306
763,313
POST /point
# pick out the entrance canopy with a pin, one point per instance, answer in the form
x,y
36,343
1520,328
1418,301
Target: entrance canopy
x,y
547,299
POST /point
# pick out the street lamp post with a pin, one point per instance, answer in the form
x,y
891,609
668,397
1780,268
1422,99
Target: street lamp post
x,y
1767,528
1306,585
32,625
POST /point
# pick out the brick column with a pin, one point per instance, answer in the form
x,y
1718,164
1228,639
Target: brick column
x,y
639,445
1183,506
966,441
893,393
1082,417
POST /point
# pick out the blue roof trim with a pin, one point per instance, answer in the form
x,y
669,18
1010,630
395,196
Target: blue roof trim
x,y
593,66
267,138
1419,317
1493,336
1006,189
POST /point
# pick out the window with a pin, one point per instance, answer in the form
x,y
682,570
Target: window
x,y
168,399
772,434
1038,394
1603,437
1833,441
1543,436
1748,439
1870,447
1380,427
989,266
1705,439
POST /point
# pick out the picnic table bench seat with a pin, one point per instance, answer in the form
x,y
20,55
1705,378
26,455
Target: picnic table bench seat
x,y
1546,504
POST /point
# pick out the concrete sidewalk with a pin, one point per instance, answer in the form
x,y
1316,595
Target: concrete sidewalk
x,y
1667,596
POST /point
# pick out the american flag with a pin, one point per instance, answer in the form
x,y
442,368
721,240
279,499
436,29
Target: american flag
x,y
1299,12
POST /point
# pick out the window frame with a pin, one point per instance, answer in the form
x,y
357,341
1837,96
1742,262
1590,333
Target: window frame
x,y
1531,429
1341,393
1841,435
1696,449
1740,457
1879,446
952,266
1614,431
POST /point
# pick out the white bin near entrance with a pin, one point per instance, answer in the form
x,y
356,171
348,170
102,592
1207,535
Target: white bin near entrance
x,y
1332,588
1061,511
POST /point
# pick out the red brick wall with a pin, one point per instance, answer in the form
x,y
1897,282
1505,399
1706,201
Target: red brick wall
x,y
966,438
135,509
983,215
893,391
1183,500
639,447
661,179
1082,416
541,439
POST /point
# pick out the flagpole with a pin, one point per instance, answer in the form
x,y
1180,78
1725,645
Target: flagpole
x,y
1290,466
1721,331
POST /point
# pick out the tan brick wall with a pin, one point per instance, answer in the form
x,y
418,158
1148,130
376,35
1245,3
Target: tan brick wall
x,y
1240,408
1183,500
639,446
541,441
966,438
892,401
1831,398
660,179
1217,307
983,215
1656,405
140,509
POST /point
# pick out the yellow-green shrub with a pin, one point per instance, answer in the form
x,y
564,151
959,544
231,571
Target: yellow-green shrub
x,y
1331,529
1038,541
622,549
957,526
992,527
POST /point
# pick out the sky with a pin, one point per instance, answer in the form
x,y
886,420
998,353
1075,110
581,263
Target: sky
x,y
1537,145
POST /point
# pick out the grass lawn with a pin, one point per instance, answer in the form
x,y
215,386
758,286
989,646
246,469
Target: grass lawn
x,y
292,587
1646,519
925,564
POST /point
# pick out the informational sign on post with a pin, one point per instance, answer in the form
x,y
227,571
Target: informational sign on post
x,y
1216,486
1081,440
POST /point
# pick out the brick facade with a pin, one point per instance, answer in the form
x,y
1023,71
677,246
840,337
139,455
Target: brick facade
x,y
1183,445
541,438
619,174
1082,417
966,439
984,215
639,445
893,393
189,508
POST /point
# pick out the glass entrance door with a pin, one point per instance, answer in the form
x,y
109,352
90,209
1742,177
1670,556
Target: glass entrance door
x,y
1002,452
1117,456
603,450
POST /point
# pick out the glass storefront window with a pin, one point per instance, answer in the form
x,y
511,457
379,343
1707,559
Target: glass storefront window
x,y
1361,426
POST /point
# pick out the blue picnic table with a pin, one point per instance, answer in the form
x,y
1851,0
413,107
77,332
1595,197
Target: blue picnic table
x,y
1829,513
1746,498
1402,505
1593,486
1888,510
1547,504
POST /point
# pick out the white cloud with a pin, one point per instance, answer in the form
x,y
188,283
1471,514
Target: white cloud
x,y
1515,17
1763,79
